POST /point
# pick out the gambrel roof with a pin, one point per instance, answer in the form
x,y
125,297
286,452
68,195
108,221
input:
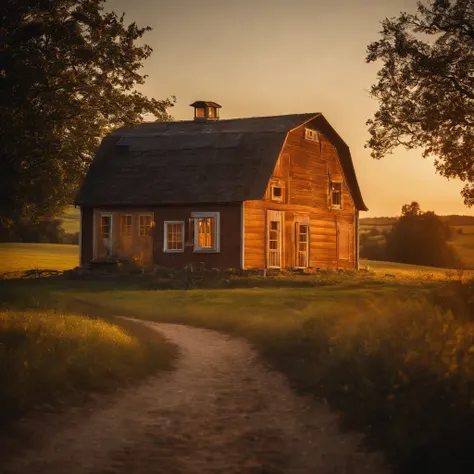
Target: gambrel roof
x,y
190,162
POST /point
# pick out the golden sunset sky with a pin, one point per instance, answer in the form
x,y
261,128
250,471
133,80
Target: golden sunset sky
x,y
272,57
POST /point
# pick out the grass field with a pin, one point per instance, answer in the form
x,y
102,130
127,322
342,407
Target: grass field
x,y
46,356
16,257
394,365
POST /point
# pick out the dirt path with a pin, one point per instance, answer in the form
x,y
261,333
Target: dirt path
x,y
220,411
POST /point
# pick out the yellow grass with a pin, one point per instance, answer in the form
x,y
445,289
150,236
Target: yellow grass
x,y
46,355
16,257
412,271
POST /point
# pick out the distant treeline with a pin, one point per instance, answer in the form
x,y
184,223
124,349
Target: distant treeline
x,y
48,231
452,220
417,237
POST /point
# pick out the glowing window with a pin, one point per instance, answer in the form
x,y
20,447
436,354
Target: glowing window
x,y
206,231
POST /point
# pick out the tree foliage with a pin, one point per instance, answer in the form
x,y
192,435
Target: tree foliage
x,y
425,87
68,72
421,238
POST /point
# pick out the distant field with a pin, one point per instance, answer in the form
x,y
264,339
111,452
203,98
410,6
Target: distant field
x,y
408,271
19,257
462,243
70,220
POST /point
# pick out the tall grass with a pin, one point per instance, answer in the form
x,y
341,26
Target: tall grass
x,y
394,365
47,356
379,351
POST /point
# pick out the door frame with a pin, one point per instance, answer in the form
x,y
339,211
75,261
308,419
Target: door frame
x,y
308,242
274,216
100,214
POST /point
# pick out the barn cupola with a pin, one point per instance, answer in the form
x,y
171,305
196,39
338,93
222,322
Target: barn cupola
x,y
205,111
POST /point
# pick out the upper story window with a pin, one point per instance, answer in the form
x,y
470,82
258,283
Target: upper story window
x,y
276,193
311,135
206,231
336,195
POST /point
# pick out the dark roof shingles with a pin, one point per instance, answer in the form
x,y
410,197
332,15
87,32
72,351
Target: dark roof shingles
x,y
189,162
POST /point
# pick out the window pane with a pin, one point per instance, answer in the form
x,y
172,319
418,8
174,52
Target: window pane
x,y
105,222
174,236
144,225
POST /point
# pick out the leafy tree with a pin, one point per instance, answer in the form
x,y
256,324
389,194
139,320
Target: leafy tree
x,y
68,72
425,87
420,238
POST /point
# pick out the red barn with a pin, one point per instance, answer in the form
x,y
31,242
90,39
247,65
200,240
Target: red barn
x,y
262,192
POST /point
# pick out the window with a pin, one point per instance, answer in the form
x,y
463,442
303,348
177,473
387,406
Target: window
x,y
336,195
311,135
277,193
199,112
302,245
105,226
126,226
174,236
144,227
211,111
206,231
274,244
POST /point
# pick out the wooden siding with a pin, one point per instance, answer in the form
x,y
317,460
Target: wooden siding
x,y
304,170
149,250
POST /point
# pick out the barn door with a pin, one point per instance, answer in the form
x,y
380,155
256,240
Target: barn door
x,y
274,239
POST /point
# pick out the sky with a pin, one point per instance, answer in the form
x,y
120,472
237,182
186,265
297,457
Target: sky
x,y
275,57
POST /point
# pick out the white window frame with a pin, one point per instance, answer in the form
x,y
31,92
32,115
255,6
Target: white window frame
x,y
335,206
297,231
217,234
311,135
150,215
165,237
272,195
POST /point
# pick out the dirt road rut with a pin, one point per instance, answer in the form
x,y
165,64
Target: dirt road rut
x,y
220,411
